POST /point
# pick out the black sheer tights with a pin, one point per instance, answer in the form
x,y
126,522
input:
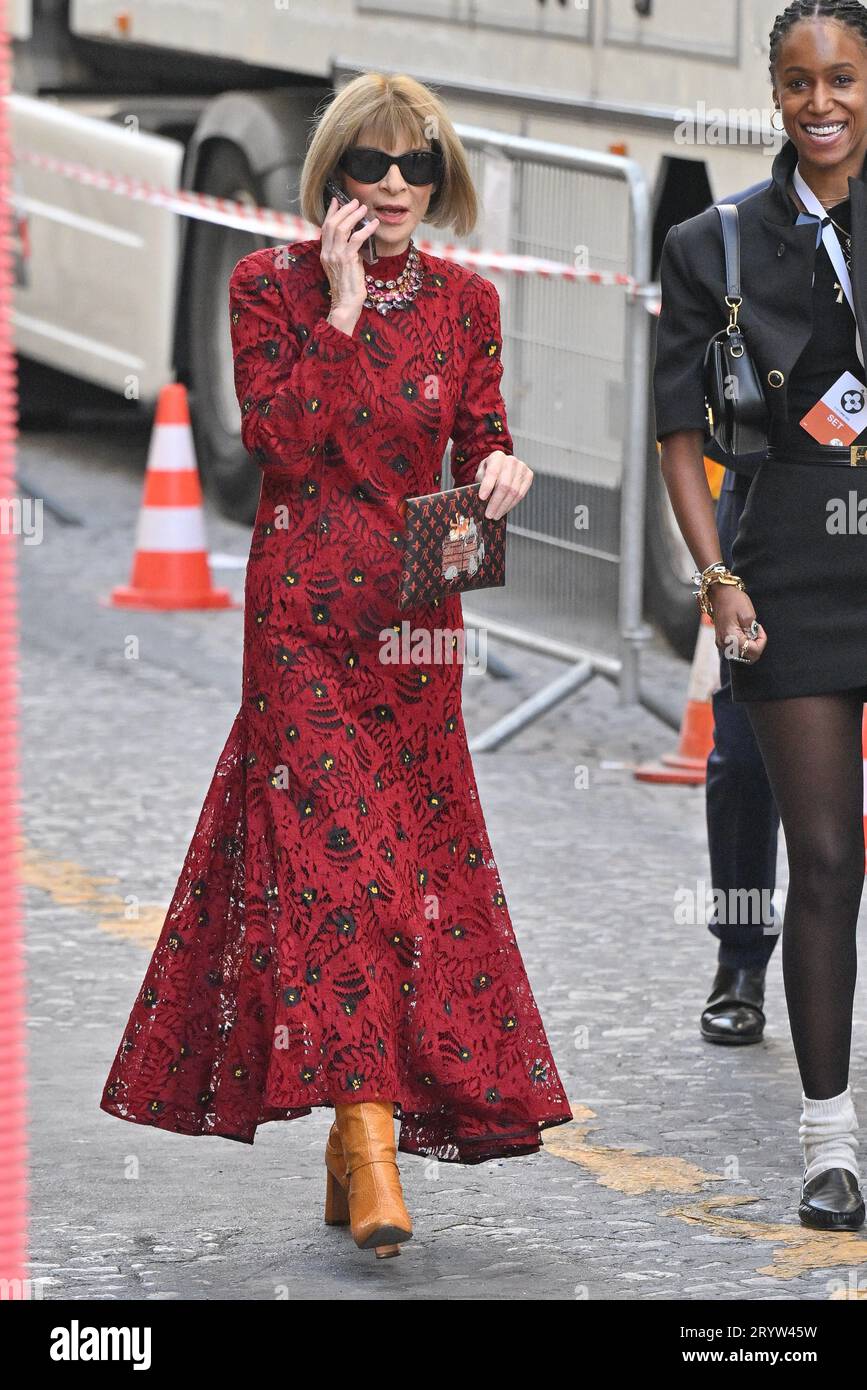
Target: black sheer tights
x,y
811,746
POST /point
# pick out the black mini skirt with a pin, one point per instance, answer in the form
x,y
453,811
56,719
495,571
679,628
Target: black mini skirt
x,y
801,550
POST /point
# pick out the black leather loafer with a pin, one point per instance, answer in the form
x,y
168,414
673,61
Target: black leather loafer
x,y
832,1201
733,1013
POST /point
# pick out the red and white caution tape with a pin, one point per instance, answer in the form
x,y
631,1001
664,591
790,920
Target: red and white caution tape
x,y
272,222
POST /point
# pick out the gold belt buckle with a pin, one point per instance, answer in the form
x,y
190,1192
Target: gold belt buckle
x,y
858,455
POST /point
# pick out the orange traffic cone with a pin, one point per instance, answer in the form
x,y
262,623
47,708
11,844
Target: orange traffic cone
x,y
689,764
170,567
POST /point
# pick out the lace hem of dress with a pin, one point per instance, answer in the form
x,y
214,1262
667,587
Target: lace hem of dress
x,y
422,1135
198,1055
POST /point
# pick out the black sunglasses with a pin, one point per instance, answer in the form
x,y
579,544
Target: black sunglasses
x,y
367,165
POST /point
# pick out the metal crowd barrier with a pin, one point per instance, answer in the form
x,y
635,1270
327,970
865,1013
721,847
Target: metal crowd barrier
x,y
575,382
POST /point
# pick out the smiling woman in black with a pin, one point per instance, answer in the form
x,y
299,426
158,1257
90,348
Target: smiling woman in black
x,y
804,577
792,616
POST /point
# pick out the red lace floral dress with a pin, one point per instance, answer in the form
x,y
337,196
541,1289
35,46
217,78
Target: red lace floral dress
x,y
339,931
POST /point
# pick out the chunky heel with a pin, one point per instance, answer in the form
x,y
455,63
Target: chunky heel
x,y
379,1219
336,1202
384,1240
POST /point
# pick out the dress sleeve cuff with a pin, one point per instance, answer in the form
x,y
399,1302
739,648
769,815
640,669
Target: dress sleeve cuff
x,y
337,343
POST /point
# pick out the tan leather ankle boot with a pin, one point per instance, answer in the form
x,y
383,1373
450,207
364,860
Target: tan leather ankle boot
x,y
337,1191
376,1209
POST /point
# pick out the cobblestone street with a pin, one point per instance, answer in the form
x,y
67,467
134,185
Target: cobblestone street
x,y
679,1177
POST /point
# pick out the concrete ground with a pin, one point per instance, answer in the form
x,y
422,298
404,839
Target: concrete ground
x,y
678,1178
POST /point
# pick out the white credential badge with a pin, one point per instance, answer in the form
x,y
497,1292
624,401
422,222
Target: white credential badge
x,y
841,413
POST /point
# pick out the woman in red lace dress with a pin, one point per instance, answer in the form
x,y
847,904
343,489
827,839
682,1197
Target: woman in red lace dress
x,y
339,934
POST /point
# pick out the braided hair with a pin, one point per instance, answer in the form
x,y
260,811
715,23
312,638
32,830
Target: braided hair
x,y
850,12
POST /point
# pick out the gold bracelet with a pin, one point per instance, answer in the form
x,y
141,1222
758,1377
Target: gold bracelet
x,y
714,575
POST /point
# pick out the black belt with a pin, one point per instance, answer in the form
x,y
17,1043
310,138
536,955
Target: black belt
x,y
853,456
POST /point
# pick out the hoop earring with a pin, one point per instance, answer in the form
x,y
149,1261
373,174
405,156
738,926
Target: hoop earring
x,y
779,128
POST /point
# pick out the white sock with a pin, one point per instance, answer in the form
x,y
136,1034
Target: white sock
x,y
827,1134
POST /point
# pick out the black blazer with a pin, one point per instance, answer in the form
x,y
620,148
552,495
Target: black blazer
x,y
777,260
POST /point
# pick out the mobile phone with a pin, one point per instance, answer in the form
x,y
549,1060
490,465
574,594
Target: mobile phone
x,y
368,248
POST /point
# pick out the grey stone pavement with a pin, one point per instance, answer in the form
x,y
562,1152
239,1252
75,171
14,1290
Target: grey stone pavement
x,y
679,1177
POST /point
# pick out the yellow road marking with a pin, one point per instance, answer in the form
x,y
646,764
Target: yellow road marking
x,y
626,1172
799,1249
70,885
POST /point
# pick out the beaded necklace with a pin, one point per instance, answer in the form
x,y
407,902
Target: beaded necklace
x,y
385,295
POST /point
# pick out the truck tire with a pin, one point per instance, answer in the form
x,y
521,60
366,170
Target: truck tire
x,y
228,472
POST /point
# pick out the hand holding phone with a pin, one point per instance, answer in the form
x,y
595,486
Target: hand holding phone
x,y
368,248
345,230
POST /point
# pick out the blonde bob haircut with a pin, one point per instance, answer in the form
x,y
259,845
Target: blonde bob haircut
x,y
390,110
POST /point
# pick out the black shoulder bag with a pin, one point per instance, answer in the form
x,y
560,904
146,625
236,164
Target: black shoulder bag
x,y
736,405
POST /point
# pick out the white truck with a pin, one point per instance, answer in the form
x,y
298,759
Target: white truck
x,y
219,96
